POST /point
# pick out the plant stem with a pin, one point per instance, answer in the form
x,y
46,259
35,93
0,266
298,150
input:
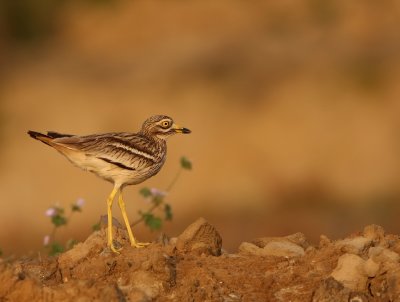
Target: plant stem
x,y
69,218
178,174
150,210
156,205
53,232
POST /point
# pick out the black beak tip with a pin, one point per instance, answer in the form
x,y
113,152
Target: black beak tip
x,y
186,130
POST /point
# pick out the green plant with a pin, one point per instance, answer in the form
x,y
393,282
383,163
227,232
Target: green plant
x,y
59,218
157,199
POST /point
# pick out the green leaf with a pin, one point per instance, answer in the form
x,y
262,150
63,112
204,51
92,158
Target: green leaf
x,y
96,227
145,192
59,210
186,163
70,244
153,222
168,212
75,208
59,220
157,199
56,248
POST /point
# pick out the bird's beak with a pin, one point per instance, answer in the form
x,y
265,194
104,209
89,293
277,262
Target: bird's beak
x,y
179,129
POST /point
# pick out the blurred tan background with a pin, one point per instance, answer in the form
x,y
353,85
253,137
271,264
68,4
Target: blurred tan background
x,y
294,108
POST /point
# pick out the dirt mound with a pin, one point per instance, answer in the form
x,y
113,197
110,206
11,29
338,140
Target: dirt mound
x,y
193,267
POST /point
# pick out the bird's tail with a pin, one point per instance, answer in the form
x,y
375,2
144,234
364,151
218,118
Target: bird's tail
x,y
41,137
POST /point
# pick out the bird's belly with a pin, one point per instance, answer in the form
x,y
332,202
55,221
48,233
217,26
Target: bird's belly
x,y
119,175
137,176
113,173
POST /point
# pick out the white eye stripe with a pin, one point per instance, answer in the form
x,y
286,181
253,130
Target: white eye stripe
x,y
134,151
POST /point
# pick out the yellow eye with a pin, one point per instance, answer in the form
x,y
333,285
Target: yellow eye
x,y
165,124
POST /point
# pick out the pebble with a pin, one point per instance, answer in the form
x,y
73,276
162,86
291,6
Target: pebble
x,y
297,238
350,272
144,282
374,232
200,238
273,248
354,245
371,268
381,254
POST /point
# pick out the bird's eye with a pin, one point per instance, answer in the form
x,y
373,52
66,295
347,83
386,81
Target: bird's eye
x,y
165,124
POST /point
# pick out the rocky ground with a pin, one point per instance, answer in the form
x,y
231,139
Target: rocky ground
x,y
194,267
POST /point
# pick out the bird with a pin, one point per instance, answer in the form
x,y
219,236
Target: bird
x,y
122,158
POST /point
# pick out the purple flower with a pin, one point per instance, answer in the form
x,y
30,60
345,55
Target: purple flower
x,y
157,193
51,212
80,202
46,240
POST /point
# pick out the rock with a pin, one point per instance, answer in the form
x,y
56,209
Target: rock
x,y
393,284
283,249
200,238
381,254
145,282
248,248
387,259
173,241
374,232
139,286
359,297
371,268
396,246
354,245
40,270
297,238
378,287
350,272
274,248
137,295
324,241
288,246
331,290
92,245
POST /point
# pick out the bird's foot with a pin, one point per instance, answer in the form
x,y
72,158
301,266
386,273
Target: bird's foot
x,y
114,249
139,244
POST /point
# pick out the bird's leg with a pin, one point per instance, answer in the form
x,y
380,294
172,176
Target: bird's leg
x,y
110,200
132,239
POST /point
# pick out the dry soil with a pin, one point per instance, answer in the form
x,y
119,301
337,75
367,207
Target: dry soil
x,y
194,267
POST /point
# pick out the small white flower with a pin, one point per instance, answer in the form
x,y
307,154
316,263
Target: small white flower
x,y
80,202
51,212
157,193
46,240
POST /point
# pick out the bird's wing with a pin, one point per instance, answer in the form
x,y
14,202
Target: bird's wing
x,y
53,134
129,151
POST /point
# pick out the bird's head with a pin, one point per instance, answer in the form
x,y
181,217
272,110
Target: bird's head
x,y
162,127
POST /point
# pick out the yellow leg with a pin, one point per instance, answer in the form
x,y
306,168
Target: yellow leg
x,y
110,200
132,239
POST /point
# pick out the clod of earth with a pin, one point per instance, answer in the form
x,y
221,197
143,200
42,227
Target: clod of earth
x,y
192,267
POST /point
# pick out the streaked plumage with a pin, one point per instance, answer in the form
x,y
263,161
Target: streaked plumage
x,y
121,158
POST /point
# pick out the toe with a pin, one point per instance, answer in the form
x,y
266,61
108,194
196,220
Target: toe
x,y
114,249
140,244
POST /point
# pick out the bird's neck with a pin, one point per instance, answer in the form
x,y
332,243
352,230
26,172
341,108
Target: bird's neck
x,y
158,145
153,138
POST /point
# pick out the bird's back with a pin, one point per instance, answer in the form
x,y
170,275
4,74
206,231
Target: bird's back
x,y
124,158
